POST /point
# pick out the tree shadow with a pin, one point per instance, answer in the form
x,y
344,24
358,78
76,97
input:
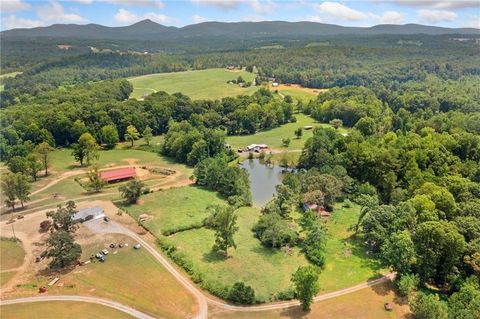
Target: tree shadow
x,y
214,257
295,312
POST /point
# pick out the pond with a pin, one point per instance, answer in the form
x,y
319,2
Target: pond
x,y
263,180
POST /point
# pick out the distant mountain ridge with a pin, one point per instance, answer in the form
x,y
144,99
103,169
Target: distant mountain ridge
x,y
149,30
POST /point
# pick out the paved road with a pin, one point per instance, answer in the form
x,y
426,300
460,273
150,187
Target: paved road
x,y
103,302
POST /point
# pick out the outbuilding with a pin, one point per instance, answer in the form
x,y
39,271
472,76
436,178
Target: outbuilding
x,y
87,214
116,175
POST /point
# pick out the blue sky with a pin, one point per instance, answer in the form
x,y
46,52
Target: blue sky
x,y
29,13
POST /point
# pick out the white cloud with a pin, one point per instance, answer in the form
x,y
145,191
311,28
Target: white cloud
x,y
198,19
340,11
126,17
267,6
13,5
314,19
432,4
436,16
392,17
224,5
55,13
13,22
139,3
474,22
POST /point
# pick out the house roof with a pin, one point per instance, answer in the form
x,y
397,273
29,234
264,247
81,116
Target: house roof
x,y
96,212
116,174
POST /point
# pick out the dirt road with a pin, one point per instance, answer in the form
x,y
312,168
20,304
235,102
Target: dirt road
x,y
103,302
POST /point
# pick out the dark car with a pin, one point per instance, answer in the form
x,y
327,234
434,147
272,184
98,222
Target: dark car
x,y
106,218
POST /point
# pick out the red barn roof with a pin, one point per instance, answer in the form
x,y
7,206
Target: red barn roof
x,y
118,174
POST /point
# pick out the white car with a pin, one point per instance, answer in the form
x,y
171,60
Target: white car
x,y
105,252
137,246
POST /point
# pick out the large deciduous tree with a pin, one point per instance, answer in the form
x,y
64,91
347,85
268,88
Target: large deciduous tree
x,y
305,280
43,150
63,250
132,191
223,221
439,247
109,135
131,134
86,150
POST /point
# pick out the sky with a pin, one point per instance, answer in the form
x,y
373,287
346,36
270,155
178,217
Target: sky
x,y
34,13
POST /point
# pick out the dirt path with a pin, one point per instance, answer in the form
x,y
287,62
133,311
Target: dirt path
x,y
104,302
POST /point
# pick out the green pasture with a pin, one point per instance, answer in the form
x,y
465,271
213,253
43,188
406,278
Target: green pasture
x,y
203,84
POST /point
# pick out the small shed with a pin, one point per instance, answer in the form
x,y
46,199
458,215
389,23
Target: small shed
x,y
87,214
116,175
320,210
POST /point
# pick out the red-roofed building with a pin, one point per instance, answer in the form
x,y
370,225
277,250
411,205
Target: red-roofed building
x,y
116,175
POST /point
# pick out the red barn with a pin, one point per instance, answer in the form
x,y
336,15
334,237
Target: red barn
x,y
116,175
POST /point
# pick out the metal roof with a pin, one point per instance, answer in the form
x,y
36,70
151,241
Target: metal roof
x,y
117,174
96,212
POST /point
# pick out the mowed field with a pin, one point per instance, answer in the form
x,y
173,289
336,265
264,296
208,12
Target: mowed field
x,y
267,270
131,277
61,310
11,257
273,138
203,84
174,208
347,263
296,91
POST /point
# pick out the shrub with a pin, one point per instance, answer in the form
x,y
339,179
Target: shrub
x,y
241,293
407,284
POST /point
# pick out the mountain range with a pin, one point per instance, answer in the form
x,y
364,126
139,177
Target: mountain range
x,y
149,30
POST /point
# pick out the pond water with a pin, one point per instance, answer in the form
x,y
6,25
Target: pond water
x,y
263,180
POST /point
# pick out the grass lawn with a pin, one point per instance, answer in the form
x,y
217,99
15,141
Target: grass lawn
x,y
346,261
203,84
11,254
365,303
297,92
62,159
132,277
273,138
176,207
61,310
268,271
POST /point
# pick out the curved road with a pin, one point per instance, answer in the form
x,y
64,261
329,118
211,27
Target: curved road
x,y
202,299
103,302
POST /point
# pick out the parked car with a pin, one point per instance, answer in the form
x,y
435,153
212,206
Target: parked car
x,y
101,259
106,218
98,255
104,252
112,245
38,259
137,246
120,245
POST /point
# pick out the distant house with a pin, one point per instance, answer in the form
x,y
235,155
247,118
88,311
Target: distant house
x,y
116,175
307,127
87,214
320,210
274,84
256,147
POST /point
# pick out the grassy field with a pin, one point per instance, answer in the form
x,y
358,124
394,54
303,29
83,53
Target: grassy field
x,y
267,270
347,264
176,207
273,138
296,91
203,84
61,310
11,254
62,159
132,277
363,304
